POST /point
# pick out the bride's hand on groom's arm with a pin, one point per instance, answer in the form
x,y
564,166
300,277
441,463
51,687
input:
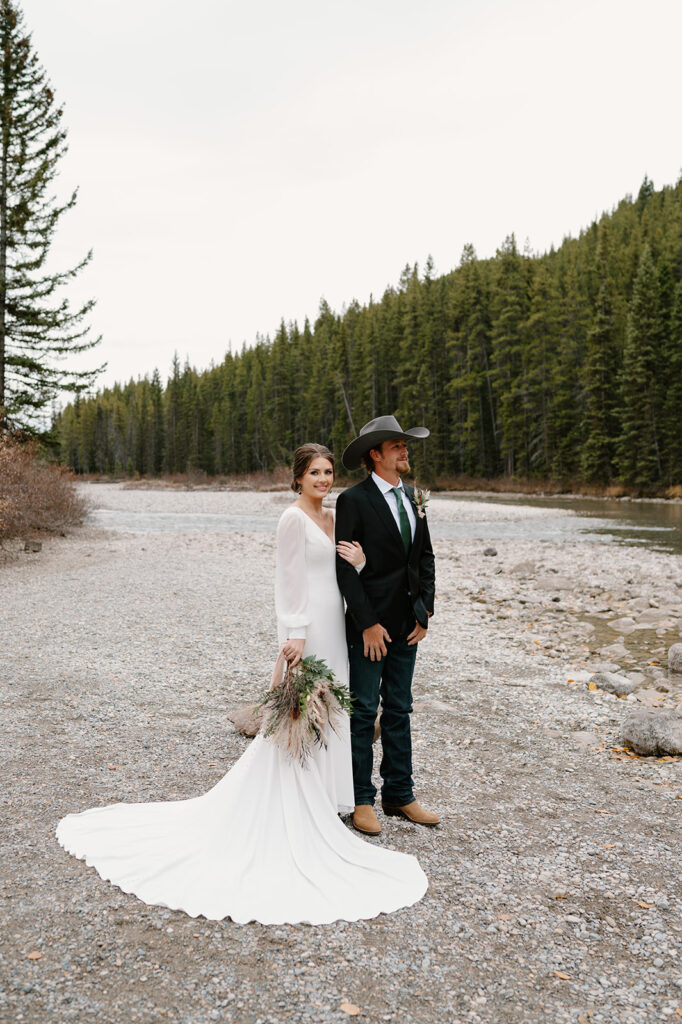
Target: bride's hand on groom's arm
x,y
351,551
293,650
374,640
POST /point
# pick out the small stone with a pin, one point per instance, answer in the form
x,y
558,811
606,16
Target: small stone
x,y
584,739
607,666
636,677
552,582
490,552
615,651
524,569
624,626
653,615
611,682
650,695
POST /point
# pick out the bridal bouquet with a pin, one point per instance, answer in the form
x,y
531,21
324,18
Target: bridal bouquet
x,y
299,710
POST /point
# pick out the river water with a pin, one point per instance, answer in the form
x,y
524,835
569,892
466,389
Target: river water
x,y
652,524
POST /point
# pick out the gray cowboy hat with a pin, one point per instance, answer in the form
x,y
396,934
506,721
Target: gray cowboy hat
x,y
383,428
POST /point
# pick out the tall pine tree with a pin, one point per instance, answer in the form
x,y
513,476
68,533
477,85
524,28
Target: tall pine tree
x,y
38,328
672,406
599,376
639,445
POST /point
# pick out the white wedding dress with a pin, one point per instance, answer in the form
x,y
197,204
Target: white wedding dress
x,y
266,843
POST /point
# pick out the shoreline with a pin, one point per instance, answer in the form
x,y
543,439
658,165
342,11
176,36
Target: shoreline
x,y
278,480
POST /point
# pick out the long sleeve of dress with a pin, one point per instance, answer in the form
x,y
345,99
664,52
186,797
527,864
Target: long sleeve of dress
x,y
291,584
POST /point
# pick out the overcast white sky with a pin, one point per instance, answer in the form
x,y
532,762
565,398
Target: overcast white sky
x,y
238,161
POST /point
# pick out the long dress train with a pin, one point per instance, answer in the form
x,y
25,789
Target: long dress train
x,y
265,843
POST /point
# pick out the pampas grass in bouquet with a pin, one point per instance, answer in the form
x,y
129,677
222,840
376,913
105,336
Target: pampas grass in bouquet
x,y
299,711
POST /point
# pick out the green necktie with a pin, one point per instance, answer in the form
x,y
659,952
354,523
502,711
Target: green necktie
x,y
405,528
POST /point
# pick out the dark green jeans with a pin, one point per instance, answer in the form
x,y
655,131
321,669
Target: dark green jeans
x,y
390,679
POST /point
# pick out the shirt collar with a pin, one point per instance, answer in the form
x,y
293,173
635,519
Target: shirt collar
x,y
384,485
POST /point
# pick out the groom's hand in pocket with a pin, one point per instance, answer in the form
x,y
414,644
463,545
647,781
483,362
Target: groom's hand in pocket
x,y
375,639
417,634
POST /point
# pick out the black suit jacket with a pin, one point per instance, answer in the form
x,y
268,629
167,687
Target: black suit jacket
x,y
393,586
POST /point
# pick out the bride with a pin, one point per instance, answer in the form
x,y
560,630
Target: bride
x,y
266,842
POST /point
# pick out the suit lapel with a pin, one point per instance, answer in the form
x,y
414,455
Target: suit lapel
x,y
380,506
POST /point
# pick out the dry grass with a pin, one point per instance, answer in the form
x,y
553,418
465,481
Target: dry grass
x,y
35,496
279,478
574,488
523,485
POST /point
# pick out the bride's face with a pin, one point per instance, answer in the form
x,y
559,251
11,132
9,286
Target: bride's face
x,y
318,478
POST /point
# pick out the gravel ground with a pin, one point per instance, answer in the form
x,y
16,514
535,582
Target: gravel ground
x,y
554,878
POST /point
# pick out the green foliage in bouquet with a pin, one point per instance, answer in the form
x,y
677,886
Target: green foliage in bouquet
x,y
299,711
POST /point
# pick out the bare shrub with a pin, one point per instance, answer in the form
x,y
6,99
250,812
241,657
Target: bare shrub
x,y
35,496
266,480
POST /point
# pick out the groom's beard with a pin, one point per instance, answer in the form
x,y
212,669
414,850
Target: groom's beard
x,y
402,466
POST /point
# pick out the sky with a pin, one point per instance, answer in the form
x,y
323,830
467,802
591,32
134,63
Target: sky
x,y
238,162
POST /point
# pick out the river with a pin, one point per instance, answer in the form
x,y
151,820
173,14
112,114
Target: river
x,y
653,524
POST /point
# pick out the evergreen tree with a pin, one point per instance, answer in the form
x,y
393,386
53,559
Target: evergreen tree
x,y
509,303
155,440
599,379
38,329
646,191
470,381
639,445
672,407
541,344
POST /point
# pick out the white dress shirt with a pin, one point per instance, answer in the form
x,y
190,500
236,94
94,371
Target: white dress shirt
x,y
391,500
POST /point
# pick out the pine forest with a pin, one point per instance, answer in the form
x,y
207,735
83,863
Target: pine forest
x,y
565,366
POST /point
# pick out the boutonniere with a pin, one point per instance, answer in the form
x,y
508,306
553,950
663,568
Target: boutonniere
x,y
420,500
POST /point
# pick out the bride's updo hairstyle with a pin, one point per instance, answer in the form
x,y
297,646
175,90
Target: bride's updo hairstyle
x,y
303,456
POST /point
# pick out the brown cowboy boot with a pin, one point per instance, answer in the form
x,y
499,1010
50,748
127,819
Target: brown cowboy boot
x,y
365,820
413,812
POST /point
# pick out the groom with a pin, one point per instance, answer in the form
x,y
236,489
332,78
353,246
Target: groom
x,y
388,604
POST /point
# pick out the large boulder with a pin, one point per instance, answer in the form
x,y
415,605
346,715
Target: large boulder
x,y
675,658
612,682
653,732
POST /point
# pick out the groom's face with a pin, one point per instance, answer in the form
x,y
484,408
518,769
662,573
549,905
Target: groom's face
x,y
392,456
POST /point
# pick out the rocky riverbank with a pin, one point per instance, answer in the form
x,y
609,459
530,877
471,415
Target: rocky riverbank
x,y
554,878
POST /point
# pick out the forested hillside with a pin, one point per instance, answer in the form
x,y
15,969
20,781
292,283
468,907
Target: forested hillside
x,y
566,365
